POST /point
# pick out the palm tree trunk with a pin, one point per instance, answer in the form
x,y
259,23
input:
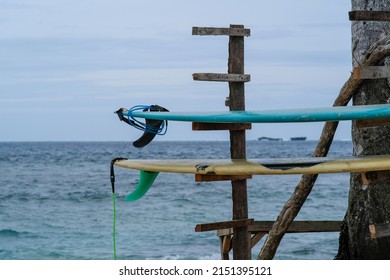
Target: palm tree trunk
x,y
369,195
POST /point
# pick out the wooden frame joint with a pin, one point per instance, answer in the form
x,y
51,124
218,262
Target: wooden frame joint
x,y
372,123
221,126
237,30
221,77
214,178
224,225
369,16
379,230
371,72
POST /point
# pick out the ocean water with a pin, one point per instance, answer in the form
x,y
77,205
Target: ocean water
x,y
55,202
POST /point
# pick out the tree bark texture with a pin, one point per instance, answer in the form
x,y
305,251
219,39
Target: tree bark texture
x,y
373,56
369,198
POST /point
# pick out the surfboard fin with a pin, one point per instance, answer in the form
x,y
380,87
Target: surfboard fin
x,y
147,136
150,128
146,180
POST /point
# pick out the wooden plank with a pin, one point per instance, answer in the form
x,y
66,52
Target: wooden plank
x,y
221,126
303,226
224,225
213,178
369,15
226,246
295,227
372,123
379,230
371,72
220,77
215,31
256,238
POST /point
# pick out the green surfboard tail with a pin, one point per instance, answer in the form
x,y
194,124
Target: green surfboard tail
x,y
145,182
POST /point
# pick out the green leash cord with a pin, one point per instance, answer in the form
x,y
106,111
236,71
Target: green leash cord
x,y
114,225
112,179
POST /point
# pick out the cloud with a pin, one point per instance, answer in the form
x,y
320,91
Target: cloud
x,y
138,77
35,99
72,56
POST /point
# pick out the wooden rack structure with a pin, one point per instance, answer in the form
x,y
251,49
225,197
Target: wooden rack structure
x,y
236,78
241,233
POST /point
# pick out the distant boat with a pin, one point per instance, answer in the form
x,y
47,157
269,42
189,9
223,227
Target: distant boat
x,y
269,139
298,138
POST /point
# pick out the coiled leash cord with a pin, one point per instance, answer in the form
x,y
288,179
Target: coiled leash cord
x,y
145,126
151,128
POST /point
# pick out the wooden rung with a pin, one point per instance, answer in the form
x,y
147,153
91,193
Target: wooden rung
x,y
369,15
372,123
236,31
371,72
379,230
213,178
221,126
295,227
220,77
224,225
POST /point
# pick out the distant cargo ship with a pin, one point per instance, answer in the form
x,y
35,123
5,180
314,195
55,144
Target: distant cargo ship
x,y
269,139
298,138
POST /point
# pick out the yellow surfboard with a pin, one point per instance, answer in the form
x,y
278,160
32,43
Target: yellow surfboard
x,y
312,165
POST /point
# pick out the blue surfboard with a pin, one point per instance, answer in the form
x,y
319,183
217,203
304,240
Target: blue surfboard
x,y
322,114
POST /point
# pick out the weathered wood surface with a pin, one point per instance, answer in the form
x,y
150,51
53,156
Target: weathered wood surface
x,y
242,242
219,77
223,225
232,31
372,123
377,52
225,246
369,15
213,178
379,230
257,237
221,126
296,226
236,79
260,228
371,72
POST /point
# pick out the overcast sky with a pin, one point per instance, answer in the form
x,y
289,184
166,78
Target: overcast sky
x,y
67,65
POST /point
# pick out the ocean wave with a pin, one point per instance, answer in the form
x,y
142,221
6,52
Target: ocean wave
x,y
56,202
69,196
214,256
304,251
85,196
9,233
23,197
16,234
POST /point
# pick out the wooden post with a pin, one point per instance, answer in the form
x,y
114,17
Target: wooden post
x,y
236,101
241,242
